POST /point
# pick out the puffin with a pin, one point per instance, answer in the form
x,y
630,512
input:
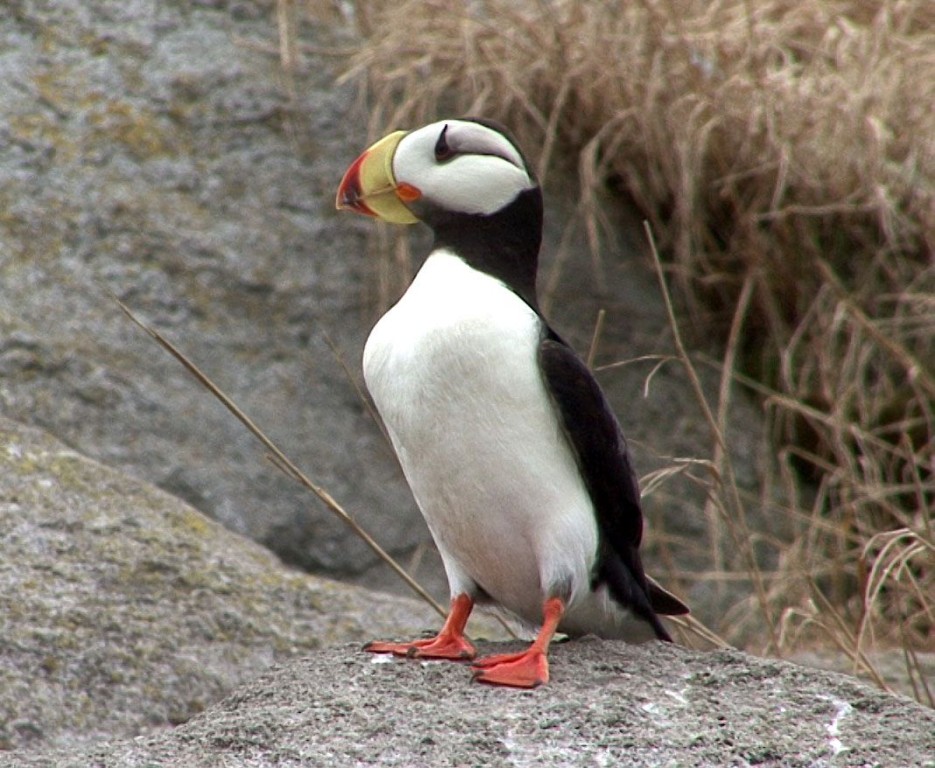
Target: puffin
x,y
511,449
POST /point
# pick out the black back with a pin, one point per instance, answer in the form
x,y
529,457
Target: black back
x,y
604,462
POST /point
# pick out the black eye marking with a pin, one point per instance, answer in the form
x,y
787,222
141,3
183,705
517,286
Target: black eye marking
x,y
443,152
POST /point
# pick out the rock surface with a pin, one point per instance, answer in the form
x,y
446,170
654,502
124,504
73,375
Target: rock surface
x,y
607,704
158,151
124,612
154,153
122,608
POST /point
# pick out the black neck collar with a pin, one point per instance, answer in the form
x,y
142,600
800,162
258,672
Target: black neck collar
x,y
504,244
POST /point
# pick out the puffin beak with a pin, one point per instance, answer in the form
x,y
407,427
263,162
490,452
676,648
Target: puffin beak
x,y
369,186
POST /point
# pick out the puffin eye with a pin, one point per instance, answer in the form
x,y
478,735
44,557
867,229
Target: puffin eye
x,y
443,151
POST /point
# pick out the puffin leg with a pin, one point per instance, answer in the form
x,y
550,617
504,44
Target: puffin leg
x,y
529,668
449,643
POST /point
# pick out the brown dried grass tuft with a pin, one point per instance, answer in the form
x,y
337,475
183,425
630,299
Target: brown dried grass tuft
x,y
746,133
784,156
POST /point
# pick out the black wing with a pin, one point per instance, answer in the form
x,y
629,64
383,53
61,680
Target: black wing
x,y
604,462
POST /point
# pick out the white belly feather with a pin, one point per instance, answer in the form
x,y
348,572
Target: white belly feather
x,y
453,371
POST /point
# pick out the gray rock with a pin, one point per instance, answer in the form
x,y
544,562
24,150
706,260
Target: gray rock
x,y
122,608
607,704
124,612
152,150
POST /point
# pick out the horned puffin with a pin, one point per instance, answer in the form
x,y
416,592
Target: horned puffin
x,y
511,449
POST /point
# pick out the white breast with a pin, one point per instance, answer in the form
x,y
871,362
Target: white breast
x,y
453,371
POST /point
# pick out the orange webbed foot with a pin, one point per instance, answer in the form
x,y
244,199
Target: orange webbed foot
x,y
449,643
528,669
439,647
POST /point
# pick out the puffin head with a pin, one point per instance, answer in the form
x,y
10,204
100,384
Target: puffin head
x,y
468,181
438,173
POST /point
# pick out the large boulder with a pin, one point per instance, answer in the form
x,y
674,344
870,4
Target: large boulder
x,y
125,612
153,151
607,704
122,608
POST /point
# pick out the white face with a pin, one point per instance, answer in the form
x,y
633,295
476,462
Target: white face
x,y
461,166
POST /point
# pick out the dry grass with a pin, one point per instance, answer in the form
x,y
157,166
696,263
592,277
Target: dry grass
x,y
784,156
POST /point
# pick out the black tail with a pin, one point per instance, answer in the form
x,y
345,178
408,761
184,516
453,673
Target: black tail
x,y
642,600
